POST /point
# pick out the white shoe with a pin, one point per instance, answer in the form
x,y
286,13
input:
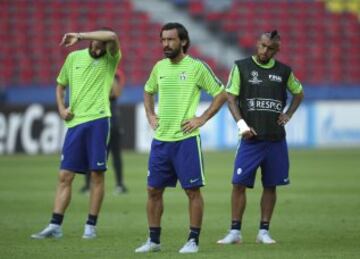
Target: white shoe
x,y
89,232
189,247
264,237
51,231
233,237
120,189
148,247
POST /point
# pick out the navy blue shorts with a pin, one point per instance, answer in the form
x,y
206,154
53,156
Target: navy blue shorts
x,y
172,161
271,156
86,147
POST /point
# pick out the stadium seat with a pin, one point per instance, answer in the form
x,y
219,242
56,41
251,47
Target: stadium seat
x,y
312,33
307,28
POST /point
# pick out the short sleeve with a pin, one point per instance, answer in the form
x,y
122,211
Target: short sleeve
x,y
293,84
208,81
151,85
233,84
63,77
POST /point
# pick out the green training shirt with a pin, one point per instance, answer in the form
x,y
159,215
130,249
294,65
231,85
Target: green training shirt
x,y
178,87
89,82
233,85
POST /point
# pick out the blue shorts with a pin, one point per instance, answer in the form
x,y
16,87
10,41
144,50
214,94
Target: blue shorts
x,y
271,156
178,160
86,147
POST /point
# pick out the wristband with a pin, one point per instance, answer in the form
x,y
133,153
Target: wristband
x,y
243,127
78,36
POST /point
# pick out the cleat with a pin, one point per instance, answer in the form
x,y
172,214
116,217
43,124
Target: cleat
x,y
89,232
148,247
264,237
120,189
233,237
85,190
189,247
51,231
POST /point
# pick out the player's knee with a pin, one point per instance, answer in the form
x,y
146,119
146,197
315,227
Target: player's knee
x,y
240,189
97,177
193,193
270,190
66,177
154,193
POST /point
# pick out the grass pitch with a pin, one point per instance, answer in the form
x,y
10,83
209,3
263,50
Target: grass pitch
x,y
317,216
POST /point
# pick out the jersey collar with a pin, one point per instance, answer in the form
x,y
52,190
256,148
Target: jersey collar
x,y
270,64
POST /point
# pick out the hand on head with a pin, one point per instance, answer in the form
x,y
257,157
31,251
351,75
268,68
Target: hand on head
x,y
69,39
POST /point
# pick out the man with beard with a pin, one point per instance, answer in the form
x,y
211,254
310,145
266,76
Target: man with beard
x,y
175,150
257,92
89,74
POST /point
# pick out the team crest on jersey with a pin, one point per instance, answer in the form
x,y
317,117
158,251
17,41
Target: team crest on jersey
x,y
183,75
275,78
255,80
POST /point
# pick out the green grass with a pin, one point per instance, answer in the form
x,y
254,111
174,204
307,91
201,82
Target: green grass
x,y
317,216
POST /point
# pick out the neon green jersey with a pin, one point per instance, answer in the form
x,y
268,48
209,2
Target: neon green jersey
x,y
178,87
234,82
89,82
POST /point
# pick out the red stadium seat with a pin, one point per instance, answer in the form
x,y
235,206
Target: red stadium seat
x,y
311,35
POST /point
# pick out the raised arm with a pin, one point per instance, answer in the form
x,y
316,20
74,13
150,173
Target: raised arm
x,y
110,37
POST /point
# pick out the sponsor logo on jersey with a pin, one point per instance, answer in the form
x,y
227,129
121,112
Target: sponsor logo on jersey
x,y
275,78
262,104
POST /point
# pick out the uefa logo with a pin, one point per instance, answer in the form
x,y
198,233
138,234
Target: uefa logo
x,y
254,74
254,80
251,104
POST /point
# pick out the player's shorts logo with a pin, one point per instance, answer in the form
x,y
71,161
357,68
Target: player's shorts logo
x,y
239,171
194,180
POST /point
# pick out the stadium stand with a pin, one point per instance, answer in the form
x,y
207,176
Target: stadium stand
x,y
322,38
320,44
33,30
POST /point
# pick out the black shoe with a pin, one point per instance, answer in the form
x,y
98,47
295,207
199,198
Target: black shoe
x,y
85,189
